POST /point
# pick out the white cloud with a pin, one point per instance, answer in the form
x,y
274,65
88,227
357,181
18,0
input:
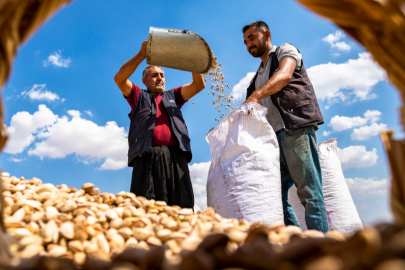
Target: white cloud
x,y
39,92
57,60
74,113
15,159
350,81
89,113
340,123
326,133
239,90
199,175
356,156
113,164
23,127
343,46
332,38
361,188
85,139
366,132
58,137
372,116
327,107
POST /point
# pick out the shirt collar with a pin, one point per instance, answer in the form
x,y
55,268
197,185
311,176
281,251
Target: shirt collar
x,y
272,50
155,94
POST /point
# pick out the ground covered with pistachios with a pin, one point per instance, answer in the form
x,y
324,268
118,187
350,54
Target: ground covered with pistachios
x,y
61,227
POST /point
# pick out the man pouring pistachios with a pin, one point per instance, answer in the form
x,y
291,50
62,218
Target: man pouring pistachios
x,y
159,143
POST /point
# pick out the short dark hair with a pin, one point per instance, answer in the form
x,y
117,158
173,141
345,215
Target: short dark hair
x,y
262,26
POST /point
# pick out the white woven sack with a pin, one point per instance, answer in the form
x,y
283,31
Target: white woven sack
x,y
298,208
342,213
244,176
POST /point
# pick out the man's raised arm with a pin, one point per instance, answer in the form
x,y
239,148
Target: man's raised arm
x,y
127,69
191,89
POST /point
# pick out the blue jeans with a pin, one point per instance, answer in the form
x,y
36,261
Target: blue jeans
x,y
300,165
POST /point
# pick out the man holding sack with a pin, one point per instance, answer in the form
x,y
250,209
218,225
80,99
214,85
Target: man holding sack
x,y
281,85
159,144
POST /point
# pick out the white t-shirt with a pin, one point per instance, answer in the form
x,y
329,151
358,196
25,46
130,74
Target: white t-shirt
x,y
286,50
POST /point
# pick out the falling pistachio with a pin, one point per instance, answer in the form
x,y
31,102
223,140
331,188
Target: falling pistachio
x,y
215,75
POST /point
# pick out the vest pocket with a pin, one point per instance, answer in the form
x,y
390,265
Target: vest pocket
x,y
176,114
291,99
134,138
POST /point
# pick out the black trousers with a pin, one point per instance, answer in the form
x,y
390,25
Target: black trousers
x,y
162,174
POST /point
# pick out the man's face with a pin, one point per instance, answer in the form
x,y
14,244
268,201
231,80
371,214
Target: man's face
x,y
155,81
255,41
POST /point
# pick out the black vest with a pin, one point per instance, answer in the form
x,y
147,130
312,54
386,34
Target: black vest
x,y
143,121
296,102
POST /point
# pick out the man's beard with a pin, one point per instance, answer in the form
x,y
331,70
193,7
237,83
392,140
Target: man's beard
x,y
260,50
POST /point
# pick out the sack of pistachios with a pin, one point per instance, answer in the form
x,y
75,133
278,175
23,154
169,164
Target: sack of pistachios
x,y
342,213
244,177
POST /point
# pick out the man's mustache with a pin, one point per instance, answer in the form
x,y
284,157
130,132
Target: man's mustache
x,y
252,47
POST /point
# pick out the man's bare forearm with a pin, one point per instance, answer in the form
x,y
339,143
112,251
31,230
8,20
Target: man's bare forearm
x,y
128,68
272,86
277,82
198,80
190,90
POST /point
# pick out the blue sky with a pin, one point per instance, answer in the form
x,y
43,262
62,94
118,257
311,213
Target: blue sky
x,y
70,119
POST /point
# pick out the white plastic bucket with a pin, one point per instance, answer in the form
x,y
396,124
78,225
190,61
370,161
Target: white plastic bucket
x,y
178,49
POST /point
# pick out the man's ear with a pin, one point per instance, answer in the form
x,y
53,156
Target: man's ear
x,y
267,33
144,81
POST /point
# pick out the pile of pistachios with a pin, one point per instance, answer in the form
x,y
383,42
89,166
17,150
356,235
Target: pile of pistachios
x,y
55,227
65,222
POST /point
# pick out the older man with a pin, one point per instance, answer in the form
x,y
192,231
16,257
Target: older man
x,y
281,84
159,144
